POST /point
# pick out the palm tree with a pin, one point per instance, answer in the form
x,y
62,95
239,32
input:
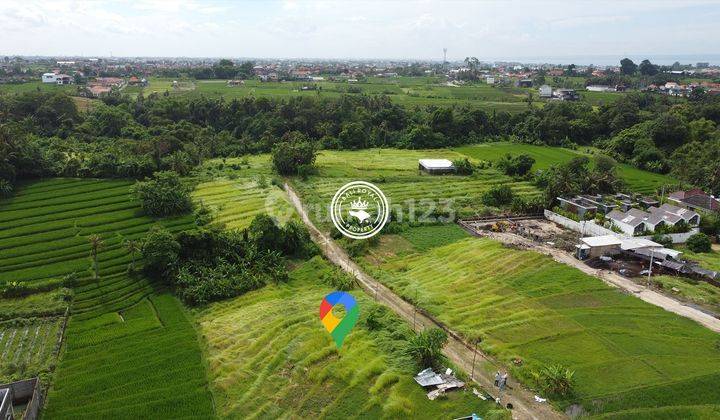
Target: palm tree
x,y
96,244
133,248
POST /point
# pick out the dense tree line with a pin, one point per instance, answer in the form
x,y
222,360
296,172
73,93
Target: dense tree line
x,y
206,264
44,134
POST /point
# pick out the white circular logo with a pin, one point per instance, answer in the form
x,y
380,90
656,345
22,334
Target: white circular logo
x,y
359,210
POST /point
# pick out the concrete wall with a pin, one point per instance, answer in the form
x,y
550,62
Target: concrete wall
x,y
27,390
590,228
677,238
587,228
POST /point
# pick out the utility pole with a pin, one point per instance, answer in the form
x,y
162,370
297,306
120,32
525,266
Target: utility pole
x,y
415,307
652,254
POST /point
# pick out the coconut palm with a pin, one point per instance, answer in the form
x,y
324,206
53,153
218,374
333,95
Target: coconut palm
x,y
133,247
96,244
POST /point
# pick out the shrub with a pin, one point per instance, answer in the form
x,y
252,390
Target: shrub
x,y
663,240
203,215
6,188
266,234
304,171
377,317
163,195
339,280
357,248
209,263
297,240
498,196
426,348
522,205
556,380
519,165
699,242
463,167
200,284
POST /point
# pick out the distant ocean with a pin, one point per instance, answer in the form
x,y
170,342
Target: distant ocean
x,y
610,60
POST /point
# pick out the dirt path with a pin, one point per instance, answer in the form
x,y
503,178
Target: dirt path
x,y
457,350
615,280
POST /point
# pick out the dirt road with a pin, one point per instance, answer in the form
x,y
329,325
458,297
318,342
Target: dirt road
x,y
457,350
615,280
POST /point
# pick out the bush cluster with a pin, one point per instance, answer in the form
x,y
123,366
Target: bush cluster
x,y
206,264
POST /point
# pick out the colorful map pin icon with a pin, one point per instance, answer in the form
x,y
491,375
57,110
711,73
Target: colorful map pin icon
x,y
339,327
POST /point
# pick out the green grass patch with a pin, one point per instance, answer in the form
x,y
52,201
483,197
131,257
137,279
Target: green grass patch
x,y
524,304
545,156
709,260
413,195
424,238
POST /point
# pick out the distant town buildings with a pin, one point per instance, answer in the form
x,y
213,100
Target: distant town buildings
x,y
695,199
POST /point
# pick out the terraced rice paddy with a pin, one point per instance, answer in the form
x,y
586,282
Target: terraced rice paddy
x,y
235,203
270,357
396,173
636,180
130,352
143,361
44,228
631,359
236,190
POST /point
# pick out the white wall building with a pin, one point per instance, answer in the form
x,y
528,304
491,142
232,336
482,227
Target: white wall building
x,y
545,91
49,78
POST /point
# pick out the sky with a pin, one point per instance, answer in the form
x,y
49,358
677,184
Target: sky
x,y
488,30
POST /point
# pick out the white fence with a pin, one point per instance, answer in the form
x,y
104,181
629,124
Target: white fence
x,y
677,238
585,227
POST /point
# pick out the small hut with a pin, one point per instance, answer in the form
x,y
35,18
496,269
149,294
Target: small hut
x,y
436,166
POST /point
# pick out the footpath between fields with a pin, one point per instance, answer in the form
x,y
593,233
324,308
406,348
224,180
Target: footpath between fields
x,y
458,350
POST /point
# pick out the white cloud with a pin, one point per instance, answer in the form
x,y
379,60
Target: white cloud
x,y
399,29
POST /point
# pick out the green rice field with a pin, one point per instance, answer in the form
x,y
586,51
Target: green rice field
x,y
270,357
408,91
36,86
396,173
239,189
636,179
631,359
130,351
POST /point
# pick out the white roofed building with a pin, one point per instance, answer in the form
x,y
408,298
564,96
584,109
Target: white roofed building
x,y
436,166
597,246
